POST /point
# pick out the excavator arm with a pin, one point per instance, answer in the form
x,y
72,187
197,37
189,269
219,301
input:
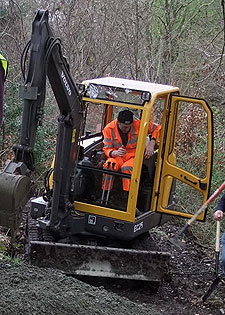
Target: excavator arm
x,y
46,60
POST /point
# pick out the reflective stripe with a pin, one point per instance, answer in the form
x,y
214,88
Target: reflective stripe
x,y
134,137
108,146
133,133
154,131
132,141
113,134
115,143
107,140
127,168
154,127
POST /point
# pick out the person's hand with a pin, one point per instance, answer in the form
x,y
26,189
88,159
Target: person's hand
x,y
120,152
218,215
149,149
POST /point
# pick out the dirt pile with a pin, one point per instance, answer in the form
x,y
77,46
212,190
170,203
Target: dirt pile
x,y
29,290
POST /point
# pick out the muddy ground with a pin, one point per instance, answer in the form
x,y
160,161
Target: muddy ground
x,y
28,289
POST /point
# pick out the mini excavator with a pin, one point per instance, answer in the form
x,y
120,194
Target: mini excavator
x,y
76,226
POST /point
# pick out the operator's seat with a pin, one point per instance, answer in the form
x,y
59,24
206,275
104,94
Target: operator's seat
x,y
148,170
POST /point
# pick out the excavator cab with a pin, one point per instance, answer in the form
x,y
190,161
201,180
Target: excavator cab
x,y
158,185
115,197
186,128
99,112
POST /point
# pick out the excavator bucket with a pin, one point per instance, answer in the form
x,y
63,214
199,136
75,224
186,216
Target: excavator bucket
x,y
14,194
85,260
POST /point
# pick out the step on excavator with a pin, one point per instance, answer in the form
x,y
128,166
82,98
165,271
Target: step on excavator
x,y
77,225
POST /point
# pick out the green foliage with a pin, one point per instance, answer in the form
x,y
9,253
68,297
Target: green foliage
x,y
10,131
16,260
45,144
3,247
12,110
3,13
44,148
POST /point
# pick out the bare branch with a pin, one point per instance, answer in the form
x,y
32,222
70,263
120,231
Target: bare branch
x,y
223,48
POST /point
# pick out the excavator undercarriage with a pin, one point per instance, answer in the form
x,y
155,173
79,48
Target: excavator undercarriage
x,y
98,256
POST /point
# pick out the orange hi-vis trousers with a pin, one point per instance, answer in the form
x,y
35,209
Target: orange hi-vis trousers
x,y
123,164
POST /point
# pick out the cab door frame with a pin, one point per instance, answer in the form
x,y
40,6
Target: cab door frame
x,y
168,171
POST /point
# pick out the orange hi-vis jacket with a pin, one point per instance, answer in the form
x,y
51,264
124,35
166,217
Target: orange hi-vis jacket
x,y
112,141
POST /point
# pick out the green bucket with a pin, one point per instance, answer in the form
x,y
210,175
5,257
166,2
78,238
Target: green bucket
x,y
15,191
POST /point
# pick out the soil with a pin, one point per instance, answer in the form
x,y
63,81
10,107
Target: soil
x,y
27,289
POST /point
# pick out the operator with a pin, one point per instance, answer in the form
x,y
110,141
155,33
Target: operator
x,y
120,141
3,75
218,216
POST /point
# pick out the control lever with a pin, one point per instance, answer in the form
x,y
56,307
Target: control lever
x,y
110,182
106,177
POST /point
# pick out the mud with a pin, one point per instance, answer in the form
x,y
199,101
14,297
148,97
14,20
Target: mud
x,y
27,289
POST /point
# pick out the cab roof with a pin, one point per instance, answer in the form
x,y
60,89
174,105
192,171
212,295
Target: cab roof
x,y
133,85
